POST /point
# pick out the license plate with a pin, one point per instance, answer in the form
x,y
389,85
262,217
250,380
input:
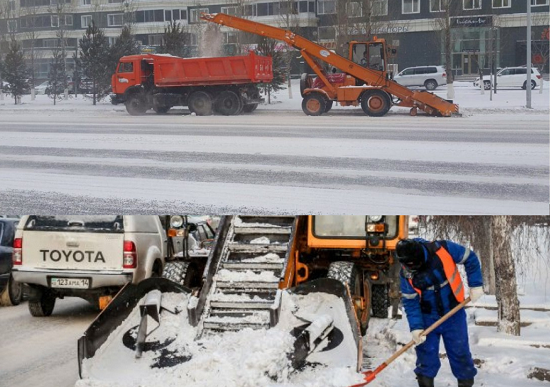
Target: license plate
x,y
74,283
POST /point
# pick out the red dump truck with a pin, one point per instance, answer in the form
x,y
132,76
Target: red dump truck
x,y
222,85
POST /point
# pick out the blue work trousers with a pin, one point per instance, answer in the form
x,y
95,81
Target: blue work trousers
x,y
455,338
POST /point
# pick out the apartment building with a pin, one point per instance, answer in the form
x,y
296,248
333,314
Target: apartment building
x,y
481,30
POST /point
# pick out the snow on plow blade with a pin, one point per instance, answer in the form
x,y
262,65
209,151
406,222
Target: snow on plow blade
x,y
315,329
117,312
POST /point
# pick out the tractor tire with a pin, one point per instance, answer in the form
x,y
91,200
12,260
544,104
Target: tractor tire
x,y
228,103
136,105
43,307
375,103
348,273
305,83
380,301
431,84
314,104
328,106
12,294
200,103
250,108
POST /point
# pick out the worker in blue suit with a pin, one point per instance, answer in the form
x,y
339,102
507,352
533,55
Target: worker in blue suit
x,y
431,286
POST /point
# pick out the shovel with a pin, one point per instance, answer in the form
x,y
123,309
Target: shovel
x,y
371,375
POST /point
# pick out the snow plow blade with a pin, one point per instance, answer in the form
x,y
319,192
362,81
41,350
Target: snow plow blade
x,y
117,311
329,335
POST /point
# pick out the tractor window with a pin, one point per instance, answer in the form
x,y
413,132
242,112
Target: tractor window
x,y
359,54
376,56
349,227
126,67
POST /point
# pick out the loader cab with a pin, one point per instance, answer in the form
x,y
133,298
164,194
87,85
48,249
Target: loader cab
x,y
371,55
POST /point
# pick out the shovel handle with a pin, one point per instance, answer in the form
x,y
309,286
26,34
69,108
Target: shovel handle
x,y
370,375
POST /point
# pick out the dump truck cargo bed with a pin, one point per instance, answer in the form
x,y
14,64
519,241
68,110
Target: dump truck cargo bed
x,y
171,71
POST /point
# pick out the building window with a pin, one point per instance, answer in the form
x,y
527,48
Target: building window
x,y
230,11
115,1
115,19
380,7
539,2
437,5
194,15
354,9
251,10
155,40
85,21
307,6
193,41
501,4
325,7
230,37
411,6
472,4
66,20
12,25
327,33
86,2
112,40
50,43
54,21
11,5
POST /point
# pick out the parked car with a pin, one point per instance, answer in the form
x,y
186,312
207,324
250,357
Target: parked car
x,y
11,291
428,76
45,88
90,257
512,77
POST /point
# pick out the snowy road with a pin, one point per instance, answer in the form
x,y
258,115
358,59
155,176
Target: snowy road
x,y
42,352
273,162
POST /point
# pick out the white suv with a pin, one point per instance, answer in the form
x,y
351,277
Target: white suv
x,y
512,77
428,76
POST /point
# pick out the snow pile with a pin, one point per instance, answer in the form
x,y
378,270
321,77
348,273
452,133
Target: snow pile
x,y
267,258
238,222
260,241
246,276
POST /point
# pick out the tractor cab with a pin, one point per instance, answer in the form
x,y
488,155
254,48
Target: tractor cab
x,y
371,55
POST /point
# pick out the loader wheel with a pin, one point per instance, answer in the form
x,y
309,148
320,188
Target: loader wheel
x,y
380,301
305,83
135,105
375,103
328,106
200,103
348,273
314,104
229,103
250,108
42,307
12,294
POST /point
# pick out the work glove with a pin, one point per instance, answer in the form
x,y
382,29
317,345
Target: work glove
x,y
476,293
416,336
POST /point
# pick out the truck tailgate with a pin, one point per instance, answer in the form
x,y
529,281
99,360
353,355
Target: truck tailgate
x,y
73,250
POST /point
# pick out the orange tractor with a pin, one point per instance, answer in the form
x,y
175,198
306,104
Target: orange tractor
x,y
364,79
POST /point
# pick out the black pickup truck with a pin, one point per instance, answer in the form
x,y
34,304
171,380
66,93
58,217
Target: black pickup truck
x,y
11,291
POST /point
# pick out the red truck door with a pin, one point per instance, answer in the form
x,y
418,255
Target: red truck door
x,y
127,75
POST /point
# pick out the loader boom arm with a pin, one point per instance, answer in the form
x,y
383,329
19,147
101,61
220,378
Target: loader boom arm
x,y
428,102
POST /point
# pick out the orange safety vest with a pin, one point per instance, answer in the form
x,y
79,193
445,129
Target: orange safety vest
x,y
451,272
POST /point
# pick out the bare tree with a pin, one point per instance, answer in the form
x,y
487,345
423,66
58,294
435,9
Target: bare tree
x,y
289,20
448,9
505,271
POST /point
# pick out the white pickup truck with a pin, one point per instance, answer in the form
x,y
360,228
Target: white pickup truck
x,y
90,257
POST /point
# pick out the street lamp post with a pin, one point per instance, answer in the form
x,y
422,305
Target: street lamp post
x,y
528,82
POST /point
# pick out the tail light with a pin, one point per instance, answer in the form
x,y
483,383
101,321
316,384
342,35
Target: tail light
x,y
444,75
129,256
17,256
539,76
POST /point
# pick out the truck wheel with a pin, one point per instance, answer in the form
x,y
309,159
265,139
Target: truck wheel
x,y
305,83
229,103
348,273
375,103
135,105
380,301
250,108
42,307
314,104
200,103
430,84
12,294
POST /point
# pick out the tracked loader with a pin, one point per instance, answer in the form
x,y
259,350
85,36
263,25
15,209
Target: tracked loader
x,y
305,286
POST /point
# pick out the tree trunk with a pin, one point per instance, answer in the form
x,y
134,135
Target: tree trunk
x,y
484,247
505,271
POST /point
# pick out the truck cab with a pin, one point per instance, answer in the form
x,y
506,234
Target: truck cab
x,y
133,70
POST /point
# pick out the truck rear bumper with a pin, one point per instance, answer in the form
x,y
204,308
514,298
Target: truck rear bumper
x,y
43,278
